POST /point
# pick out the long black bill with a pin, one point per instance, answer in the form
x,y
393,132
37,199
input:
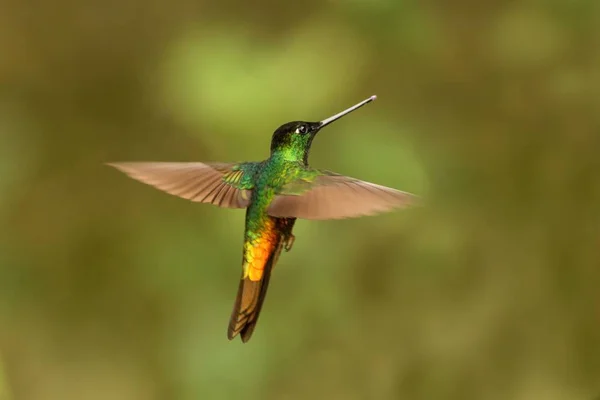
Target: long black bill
x,y
337,116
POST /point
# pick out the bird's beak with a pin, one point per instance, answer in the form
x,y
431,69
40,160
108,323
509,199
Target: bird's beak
x,y
337,116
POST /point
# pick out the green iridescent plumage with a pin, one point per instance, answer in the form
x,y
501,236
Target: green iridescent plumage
x,y
275,193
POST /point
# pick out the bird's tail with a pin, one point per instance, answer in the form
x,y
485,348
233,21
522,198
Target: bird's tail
x,y
250,298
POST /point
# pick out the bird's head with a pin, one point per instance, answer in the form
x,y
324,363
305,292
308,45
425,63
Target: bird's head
x,y
293,139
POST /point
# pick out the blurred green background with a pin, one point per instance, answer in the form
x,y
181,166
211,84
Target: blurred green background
x,y
110,289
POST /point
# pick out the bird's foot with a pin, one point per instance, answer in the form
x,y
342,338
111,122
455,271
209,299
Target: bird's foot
x,y
289,242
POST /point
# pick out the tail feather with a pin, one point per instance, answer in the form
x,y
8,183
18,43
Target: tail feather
x,y
249,300
251,293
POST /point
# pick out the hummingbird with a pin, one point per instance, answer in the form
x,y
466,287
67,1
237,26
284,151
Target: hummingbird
x,y
274,192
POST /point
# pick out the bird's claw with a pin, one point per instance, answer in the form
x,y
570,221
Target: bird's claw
x,y
289,242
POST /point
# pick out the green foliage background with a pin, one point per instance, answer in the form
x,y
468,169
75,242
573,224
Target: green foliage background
x,y
489,110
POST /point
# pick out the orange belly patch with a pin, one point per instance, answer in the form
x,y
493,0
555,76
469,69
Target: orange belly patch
x,y
257,251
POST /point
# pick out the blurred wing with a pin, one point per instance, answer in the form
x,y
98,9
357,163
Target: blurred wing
x,y
327,195
221,184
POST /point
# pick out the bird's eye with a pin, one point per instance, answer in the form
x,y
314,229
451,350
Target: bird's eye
x,y
301,129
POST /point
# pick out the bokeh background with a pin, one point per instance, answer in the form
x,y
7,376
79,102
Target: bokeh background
x,y
110,289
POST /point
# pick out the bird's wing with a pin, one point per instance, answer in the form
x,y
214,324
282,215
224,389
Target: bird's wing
x,y
319,195
222,184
